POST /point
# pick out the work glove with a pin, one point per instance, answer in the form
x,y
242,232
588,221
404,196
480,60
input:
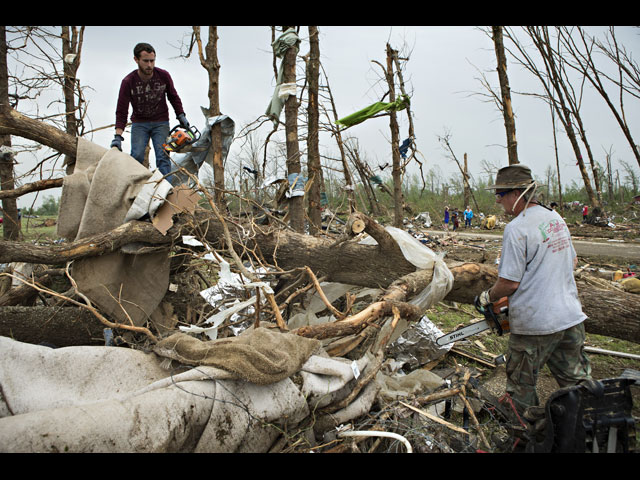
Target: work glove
x,y
182,118
482,300
117,141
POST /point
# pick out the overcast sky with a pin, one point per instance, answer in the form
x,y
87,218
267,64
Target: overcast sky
x,y
442,76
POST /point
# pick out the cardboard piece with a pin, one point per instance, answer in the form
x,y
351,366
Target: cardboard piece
x,y
181,199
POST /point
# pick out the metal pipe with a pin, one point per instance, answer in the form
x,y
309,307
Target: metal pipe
x,y
611,352
373,433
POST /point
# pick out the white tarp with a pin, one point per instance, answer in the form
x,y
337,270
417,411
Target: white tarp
x,y
423,258
112,399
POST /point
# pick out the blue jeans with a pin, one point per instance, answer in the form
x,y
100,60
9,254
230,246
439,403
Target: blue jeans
x,y
158,133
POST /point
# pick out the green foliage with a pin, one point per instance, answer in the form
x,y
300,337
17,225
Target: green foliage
x,y
50,206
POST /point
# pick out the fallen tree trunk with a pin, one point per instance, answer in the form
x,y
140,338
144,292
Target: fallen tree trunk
x,y
109,242
611,313
56,326
615,314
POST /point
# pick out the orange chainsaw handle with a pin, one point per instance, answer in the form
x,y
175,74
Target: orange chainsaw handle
x,y
180,137
499,307
500,304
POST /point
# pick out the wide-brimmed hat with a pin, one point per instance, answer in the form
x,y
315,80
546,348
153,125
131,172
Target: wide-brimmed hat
x,y
513,176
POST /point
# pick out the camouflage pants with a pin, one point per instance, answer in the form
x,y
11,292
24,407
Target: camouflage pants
x,y
562,352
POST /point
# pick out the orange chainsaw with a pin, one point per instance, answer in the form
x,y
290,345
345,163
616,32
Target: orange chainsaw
x,y
180,137
496,318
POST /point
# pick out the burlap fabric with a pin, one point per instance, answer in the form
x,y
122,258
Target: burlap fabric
x,y
261,356
95,199
75,188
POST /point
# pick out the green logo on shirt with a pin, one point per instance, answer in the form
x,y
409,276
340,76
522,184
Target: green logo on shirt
x,y
548,229
556,234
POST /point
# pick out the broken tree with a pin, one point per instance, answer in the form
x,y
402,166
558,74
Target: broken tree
x,y
11,226
507,109
346,261
313,153
294,168
209,61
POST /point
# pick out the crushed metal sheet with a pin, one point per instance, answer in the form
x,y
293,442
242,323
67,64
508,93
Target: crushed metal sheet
x,y
191,241
229,285
217,319
417,345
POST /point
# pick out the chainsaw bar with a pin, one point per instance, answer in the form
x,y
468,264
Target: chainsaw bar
x,y
464,332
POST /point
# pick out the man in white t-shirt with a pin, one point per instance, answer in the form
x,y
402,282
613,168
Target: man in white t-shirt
x,y
536,272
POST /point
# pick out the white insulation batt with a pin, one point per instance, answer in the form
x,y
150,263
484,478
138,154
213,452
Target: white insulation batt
x,y
113,399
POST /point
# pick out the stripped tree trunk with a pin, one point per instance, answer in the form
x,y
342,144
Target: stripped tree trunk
x,y
353,153
467,187
11,223
313,153
335,131
555,149
72,39
209,60
396,173
296,203
561,104
507,108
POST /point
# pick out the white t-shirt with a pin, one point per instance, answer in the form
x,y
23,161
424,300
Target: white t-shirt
x,y
537,252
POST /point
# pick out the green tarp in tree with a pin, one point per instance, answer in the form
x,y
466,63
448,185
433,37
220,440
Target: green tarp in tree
x,y
361,115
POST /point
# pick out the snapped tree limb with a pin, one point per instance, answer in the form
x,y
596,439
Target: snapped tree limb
x,y
611,313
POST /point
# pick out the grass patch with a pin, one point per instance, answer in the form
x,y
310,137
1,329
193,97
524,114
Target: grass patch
x,y
450,316
41,229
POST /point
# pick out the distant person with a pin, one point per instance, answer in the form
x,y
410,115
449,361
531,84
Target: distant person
x,y
554,206
446,218
147,90
585,211
456,221
468,215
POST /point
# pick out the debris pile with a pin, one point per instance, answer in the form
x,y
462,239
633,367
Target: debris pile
x,y
610,279
194,358
205,343
450,413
